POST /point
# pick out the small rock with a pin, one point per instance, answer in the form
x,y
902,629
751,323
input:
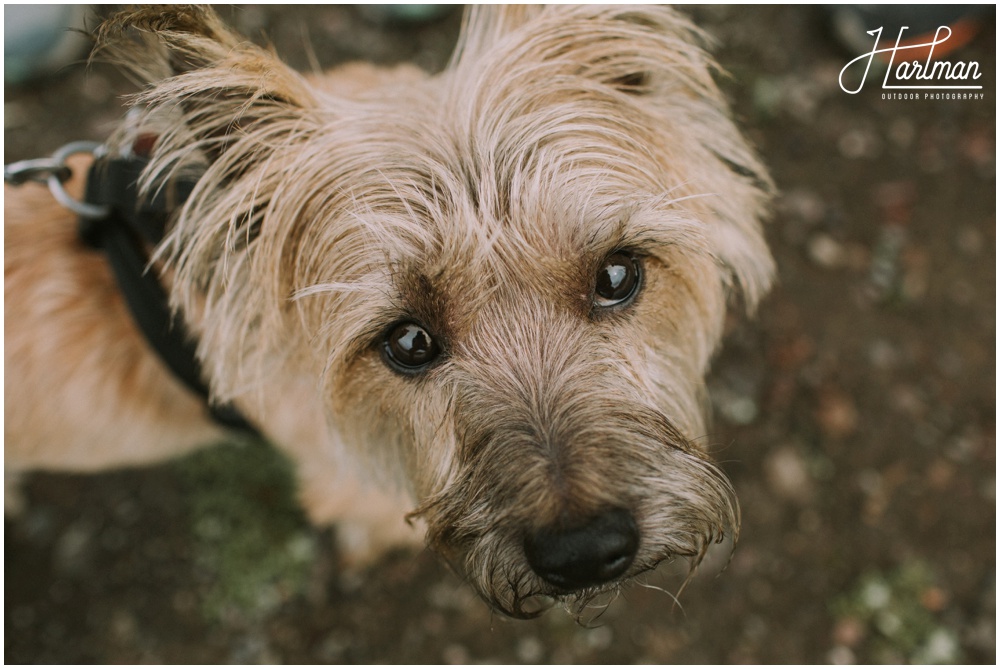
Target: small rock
x,y
848,632
123,627
841,655
755,629
804,205
74,548
253,648
530,650
907,400
940,648
740,410
600,638
597,638
882,354
788,476
870,482
934,599
825,251
859,143
332,648
940,475
876,595
449,596
969,241
836,414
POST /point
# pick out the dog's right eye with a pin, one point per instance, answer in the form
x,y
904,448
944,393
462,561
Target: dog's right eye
x,y
409,348
618,280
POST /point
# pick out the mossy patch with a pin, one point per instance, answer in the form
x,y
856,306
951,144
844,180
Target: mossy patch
x,y
251,541
898,611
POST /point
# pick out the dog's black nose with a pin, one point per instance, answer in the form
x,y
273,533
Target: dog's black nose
x,y
593,553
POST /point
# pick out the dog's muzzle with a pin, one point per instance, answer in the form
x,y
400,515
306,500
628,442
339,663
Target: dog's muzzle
x,y
587,555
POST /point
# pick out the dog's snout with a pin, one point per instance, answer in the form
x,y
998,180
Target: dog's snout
x,y
586,555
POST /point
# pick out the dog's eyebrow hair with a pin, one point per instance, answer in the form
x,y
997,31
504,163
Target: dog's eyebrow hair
x,y
741,170
645,226
422,298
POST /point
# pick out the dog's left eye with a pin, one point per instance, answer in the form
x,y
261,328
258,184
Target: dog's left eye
x,y
618,280
409,348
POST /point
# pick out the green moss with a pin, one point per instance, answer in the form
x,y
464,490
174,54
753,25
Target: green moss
x,y
251,540
898,626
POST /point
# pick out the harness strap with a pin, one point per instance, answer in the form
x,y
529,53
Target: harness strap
x,y
123,234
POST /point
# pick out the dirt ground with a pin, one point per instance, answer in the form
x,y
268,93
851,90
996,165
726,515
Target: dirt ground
x,y
855,416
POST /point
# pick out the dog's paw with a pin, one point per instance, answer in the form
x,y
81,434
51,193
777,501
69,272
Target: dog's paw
x,y
369,522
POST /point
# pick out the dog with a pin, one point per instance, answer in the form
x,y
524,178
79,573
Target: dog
x,y
476,309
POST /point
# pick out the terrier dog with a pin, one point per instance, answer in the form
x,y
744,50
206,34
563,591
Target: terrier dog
x,y
477,306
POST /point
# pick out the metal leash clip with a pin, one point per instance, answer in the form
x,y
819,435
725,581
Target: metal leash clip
x,y
54,171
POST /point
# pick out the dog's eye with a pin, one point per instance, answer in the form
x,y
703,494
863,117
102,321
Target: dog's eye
x,y
409,348
618,280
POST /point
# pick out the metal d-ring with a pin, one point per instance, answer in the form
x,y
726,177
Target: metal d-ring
x,y
54,171
84,209
36,169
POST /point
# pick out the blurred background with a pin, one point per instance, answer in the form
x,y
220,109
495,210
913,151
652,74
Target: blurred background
x,y
856,415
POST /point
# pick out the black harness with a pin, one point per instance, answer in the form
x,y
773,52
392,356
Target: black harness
x,y
132,225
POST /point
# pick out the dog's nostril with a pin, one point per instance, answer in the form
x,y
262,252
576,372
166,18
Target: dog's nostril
x,y
596,552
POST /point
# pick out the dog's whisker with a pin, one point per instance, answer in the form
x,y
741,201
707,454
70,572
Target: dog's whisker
x,y
675,598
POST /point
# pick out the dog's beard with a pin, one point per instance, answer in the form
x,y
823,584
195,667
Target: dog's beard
x,y
681,503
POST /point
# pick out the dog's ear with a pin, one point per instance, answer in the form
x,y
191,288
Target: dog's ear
x,y
652,62
218,84
626,47
233,117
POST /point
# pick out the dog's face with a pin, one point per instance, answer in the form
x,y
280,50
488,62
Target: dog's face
x,y
510,277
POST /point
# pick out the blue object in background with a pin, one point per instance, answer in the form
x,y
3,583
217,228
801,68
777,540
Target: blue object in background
x,y
405,14
40,39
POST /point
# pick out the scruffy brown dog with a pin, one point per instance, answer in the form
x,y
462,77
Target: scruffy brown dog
x,y
477,306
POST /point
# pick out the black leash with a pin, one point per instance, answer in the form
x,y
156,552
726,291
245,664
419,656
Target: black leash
x,y
117,221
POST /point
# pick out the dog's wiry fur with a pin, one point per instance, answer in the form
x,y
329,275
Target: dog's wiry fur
x,y
480,202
